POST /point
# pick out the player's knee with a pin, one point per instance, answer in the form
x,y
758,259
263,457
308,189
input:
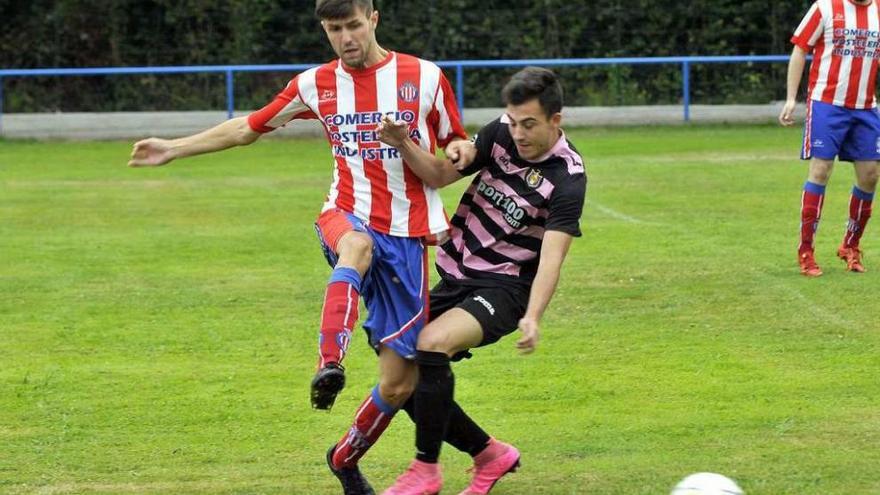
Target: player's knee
x,y
869,180
356,248
435,342
820,170
396,393
820,175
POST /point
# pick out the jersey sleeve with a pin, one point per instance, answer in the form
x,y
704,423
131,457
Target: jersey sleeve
x,y
566,205
287,106
811,27
448,119
483,141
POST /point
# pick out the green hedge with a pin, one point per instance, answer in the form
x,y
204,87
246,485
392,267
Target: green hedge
x,y
105,33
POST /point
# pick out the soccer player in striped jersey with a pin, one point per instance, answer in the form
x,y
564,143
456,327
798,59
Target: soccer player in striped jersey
x,y
842,119
499,268
377,217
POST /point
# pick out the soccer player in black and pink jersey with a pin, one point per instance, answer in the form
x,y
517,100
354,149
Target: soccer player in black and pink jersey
x,y
842,119
378,215
500,266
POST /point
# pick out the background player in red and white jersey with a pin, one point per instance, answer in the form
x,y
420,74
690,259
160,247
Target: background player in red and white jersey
x,y
378,212
842,119
499,269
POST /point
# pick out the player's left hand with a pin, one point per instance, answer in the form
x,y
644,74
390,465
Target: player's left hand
x,y
529,340
392,133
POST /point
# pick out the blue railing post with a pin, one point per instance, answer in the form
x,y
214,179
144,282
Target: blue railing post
x,y
230,94
1,106
686,89
459,88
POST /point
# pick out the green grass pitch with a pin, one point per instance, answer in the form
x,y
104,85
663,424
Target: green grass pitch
x,y
158,328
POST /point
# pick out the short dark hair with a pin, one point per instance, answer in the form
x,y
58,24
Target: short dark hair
x,y
531,83
340,9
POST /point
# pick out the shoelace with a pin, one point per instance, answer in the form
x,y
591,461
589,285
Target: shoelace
x,y
853,256
410,478
809,262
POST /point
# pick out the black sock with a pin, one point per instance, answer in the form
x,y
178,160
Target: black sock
x,y
433,403
469,436
461,431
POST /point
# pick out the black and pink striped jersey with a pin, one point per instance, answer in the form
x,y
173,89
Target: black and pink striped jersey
x,y
497,230
370,179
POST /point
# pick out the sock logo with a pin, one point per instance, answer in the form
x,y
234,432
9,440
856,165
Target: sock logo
x,y
357,439
343,339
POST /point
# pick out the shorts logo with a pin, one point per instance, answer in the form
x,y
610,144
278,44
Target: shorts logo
x,y
487,304
818,143
408,92
534,178
878,145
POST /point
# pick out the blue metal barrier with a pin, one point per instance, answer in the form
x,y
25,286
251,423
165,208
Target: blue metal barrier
x,y
458,65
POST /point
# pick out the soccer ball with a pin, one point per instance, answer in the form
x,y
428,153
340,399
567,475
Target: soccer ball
x,y
707,484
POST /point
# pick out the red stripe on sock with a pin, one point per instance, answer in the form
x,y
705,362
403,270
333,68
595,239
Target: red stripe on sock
x,y
368,425
338,317
859,213
811,213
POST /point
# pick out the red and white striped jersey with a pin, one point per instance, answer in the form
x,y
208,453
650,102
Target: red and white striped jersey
x,y
370,179
845,40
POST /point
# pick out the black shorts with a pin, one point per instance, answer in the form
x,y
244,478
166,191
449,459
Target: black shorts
x,y
498,307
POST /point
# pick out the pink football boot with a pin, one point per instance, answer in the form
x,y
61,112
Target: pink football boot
x,y
490,465
420,478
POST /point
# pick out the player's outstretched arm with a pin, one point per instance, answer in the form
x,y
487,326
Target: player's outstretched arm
x,y
554,248
435,172
155,152
795,70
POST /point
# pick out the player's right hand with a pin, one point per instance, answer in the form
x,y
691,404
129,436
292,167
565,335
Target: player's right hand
x,y
152,152
391,132
462,153
786,117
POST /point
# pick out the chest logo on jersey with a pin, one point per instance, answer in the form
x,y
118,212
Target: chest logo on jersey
x,y
534,178
408,92
327,95
513,213
855,42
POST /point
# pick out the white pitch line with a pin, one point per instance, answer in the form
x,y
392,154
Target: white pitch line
x,y
818,311
616,214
